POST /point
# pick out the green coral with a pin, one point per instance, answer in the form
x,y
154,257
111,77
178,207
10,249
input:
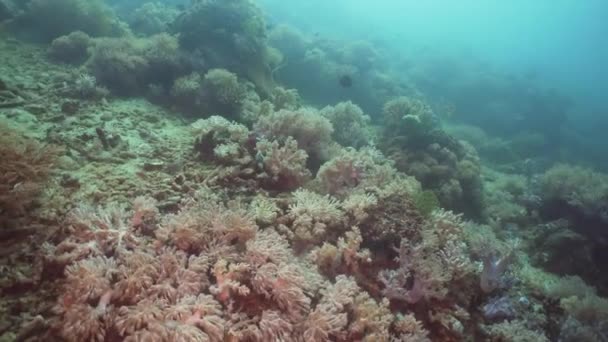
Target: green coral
x,y
578,186
426,202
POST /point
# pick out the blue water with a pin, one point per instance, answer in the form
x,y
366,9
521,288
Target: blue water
x,y
560,42
511,51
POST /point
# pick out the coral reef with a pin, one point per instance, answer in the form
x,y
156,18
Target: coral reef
x,y
163,186
576,187
284,164
45,20
154,284
413,137
222,141
306,126
314,64
217,92
129,66
72,49
437,263
229,35
25,169
353,124
152,18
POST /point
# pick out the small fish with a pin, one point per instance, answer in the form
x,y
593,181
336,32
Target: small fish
x,y
346,81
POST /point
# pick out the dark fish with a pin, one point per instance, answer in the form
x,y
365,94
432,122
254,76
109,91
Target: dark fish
x,y
346,81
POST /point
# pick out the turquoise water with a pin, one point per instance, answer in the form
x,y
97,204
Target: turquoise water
x,y
561,43
533,49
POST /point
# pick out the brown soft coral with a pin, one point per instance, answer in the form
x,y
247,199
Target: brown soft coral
x,y
314,217
221,141
376,197
209,273
203,226
306,126
284,165
25,167
432,265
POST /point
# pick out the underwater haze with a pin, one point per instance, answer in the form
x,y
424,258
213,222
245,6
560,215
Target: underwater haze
x,y
555,45
275,170
561,43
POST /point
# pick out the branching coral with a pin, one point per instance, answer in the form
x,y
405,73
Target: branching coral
x,y
284,166
285,98
354,126
353,169
314,216
306,126
207,227
433,265
221,141
375,196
